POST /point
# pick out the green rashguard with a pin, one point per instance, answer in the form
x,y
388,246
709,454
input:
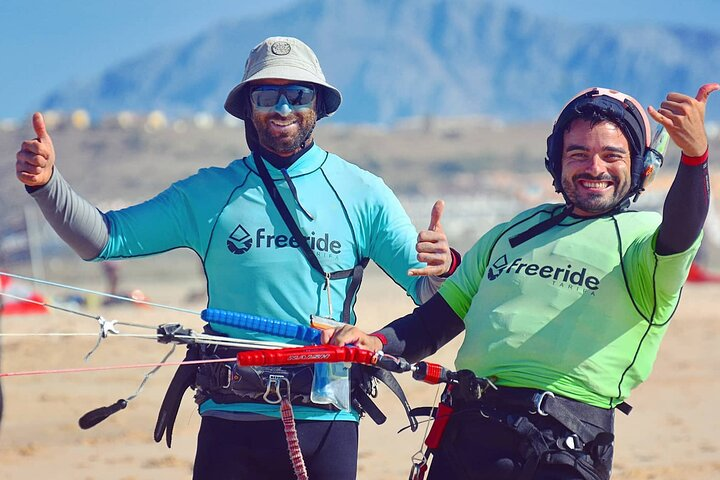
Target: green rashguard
x,y
578,310
252,263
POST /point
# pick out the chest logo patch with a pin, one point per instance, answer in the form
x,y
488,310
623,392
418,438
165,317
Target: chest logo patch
x,y
564,277
239,240
495,270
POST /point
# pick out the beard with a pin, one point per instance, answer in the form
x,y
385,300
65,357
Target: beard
x,y
289,143
594,203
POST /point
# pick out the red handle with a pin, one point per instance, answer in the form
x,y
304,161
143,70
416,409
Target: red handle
x,y
311,354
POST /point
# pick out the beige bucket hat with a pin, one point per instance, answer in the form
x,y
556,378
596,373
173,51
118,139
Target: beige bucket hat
x,y
285,58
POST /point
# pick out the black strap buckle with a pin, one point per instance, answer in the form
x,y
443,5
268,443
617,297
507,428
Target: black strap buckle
x,y
469,387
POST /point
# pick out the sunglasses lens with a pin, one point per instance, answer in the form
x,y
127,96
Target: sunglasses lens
x,y
269,95
299,95
264,98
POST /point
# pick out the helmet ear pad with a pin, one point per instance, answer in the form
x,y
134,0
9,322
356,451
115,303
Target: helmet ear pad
x,y
553,158
637,167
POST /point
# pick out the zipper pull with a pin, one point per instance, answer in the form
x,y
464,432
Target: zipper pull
x,y
327,287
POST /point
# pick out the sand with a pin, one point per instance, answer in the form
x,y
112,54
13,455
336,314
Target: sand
x,y
671,433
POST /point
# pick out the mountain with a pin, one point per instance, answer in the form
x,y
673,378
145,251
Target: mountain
x,y
394,59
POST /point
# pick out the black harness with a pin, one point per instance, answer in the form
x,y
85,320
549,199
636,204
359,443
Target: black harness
x,y
552,429
228,383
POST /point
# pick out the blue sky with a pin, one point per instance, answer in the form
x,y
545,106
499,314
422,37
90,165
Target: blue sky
x,y
45,43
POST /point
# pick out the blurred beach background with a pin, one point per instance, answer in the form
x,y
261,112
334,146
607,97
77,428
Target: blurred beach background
x,y
443,99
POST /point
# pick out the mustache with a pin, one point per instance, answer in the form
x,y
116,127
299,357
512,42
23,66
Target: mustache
x,y
597,178
277,116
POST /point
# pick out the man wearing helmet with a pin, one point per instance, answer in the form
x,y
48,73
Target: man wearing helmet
x,y
565,305
284,234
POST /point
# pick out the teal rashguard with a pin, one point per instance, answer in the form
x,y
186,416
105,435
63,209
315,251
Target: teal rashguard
x,y
252,263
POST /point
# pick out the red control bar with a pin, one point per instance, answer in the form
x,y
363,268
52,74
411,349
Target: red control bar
x,y
311,354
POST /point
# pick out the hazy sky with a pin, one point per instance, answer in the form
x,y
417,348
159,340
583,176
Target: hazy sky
x,y
45,43
697,13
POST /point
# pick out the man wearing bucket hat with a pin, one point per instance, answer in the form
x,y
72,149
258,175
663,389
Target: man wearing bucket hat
x,y
565,305
283,234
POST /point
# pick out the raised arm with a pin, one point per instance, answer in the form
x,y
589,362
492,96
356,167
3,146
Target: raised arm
x,y
688,199
394,244
76,221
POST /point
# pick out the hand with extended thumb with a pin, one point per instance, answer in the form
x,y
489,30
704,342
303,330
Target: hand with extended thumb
x,y
35,160
684,119
432,246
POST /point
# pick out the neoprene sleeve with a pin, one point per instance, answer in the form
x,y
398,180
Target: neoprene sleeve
x,y
424,331
685,209
427,287
76,221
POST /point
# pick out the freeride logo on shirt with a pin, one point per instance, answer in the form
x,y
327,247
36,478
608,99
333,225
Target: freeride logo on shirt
x,y
565,276
240,241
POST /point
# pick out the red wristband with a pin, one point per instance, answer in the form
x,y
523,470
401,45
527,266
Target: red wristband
x,y
381,337
456,259
694,161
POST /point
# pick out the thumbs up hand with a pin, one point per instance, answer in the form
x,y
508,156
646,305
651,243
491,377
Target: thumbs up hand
x,y
35,160
432,246
684,119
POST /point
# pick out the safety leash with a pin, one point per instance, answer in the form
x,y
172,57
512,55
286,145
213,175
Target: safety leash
x,y
421,457
274,395
288,419
439,416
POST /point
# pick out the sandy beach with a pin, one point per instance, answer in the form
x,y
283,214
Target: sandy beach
x,y
671,433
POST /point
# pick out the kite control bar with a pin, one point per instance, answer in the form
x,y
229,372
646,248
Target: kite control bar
x,y
427,372
177,334
257,323
302,355
433,373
